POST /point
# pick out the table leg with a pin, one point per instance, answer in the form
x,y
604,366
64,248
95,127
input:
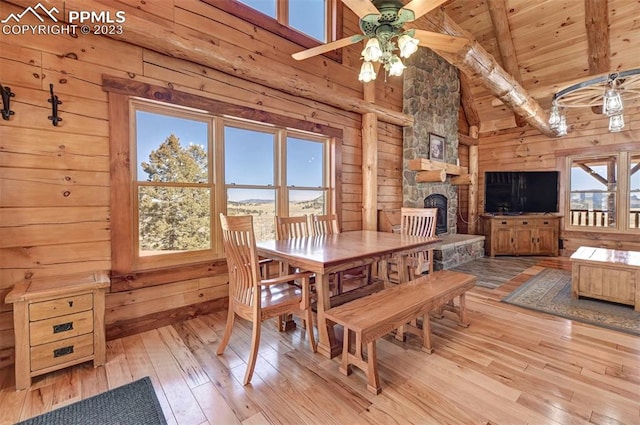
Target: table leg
x,y
328,345
402,269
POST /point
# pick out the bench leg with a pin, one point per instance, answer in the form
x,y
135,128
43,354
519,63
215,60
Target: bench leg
x,y
345,367
426,334
400,336
463,321
373,382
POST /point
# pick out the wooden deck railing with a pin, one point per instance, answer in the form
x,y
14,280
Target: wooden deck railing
x,y
599,218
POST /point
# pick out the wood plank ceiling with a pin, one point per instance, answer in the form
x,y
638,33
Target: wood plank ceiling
x,y
546,45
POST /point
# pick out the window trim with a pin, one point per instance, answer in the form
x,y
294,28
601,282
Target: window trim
x,y
142,262
120,91
267,23
623,153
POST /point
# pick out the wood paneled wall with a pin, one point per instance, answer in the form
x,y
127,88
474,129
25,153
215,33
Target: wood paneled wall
x,y
54,181
526,149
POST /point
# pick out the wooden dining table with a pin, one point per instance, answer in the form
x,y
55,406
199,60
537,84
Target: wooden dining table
x,y
327,254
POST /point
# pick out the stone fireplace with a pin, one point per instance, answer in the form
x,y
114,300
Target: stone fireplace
x,y
432,95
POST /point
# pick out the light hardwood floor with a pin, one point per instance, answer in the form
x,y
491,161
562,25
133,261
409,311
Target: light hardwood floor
x,y
511,366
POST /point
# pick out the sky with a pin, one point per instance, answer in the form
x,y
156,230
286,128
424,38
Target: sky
x,y
249,155
299,13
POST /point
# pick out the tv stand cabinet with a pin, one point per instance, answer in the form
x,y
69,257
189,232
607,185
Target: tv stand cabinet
x,y
526,234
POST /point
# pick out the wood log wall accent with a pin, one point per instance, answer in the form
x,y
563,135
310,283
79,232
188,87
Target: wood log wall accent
x,y
369,163
527,150
45,233
477,63
176,42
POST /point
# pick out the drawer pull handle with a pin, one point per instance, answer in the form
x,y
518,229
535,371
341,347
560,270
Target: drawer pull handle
x,y
62,327
504,222
525,222
70,303
64,351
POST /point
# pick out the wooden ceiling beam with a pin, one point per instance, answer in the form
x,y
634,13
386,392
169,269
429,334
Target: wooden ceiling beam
x,y
599,52
476,62
466,99
500,22
596,17
596,21
465,140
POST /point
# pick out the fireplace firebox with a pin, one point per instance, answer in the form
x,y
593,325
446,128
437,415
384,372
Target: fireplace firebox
x,y
438,201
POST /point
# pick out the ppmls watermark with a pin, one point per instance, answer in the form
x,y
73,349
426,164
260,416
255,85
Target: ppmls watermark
x,y
78,21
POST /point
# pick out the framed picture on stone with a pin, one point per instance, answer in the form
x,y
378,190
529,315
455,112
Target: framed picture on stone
x,y
436,147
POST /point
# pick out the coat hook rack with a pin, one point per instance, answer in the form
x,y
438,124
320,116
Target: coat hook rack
x,y
7,94
55,119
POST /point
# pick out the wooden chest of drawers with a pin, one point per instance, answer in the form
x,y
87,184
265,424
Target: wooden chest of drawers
x,y
58,322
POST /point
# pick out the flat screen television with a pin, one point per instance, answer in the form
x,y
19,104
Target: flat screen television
x,y
520,192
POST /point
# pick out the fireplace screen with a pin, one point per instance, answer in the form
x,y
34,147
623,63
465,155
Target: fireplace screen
x,y
440,202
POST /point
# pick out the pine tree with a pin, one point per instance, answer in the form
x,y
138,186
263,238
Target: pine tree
x,y
175,218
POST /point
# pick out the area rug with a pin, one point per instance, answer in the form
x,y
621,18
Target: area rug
x,y
130,404
550,291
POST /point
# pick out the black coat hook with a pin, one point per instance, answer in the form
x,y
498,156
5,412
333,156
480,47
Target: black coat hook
x,y
55,119
7,94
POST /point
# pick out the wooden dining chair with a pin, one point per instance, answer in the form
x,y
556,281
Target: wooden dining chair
x,y
292,227
416,222
253,298
297,227
327,224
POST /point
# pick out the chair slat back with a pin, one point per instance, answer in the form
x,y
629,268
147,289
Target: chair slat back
x,y
242,259
418,221
324,224
292,227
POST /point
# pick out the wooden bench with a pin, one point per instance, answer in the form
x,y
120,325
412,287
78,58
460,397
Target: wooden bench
x,y
373,316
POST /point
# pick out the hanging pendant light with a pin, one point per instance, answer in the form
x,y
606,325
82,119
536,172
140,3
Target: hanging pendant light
x,y
562,126
604,91
612,102
616,123
554,116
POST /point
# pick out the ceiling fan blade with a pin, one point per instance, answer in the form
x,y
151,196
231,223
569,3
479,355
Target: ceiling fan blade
x,y
416,8
323,48
361,8
437,41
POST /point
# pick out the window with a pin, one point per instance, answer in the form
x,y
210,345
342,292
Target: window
x,y
263,170
298,187
634,191
604,192
172,182
176,167
310,17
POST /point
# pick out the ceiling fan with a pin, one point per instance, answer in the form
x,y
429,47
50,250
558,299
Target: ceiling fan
x,y
381,22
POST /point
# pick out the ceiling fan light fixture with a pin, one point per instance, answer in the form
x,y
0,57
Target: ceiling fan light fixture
x,y
395,66
372,51
367,72
407,45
